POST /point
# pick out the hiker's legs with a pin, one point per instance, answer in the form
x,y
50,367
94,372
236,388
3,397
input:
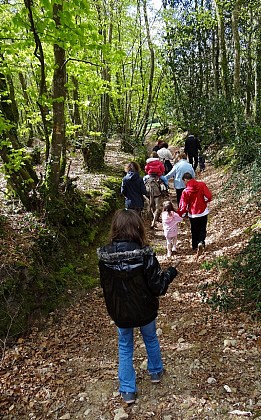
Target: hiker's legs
x,y
151,342
195,165
174,243
194,231
190,158
169,247
198,227
126,372
178,194
202,229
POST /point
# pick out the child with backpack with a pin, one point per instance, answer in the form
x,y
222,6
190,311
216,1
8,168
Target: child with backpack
x,y
170,220
154,167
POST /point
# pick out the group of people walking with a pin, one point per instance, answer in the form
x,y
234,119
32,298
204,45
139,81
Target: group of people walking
x,y
130,274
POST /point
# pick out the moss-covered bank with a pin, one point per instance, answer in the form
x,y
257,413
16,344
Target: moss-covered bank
x,y
61,258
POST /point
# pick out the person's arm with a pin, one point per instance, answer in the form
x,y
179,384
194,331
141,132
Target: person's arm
x,y
143,188
182,210
177,218
157,279
123,190
199,145
207,193
171,173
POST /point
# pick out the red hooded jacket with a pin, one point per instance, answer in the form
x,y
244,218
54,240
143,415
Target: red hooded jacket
x,y
194,199
154,166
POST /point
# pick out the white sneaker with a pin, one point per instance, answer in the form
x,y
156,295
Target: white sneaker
x,y
169,254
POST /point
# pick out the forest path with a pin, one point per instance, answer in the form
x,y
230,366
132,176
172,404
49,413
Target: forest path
x,y
212,359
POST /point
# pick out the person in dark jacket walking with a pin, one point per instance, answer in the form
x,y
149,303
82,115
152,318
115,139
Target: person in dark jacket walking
x,y
132,281
192,146
133,187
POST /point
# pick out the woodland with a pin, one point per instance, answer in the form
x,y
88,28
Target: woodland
x,y
86,86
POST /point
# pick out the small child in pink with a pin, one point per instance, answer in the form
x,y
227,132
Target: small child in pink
x,y
170,220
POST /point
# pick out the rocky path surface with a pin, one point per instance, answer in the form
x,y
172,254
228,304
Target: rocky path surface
x,y
212,360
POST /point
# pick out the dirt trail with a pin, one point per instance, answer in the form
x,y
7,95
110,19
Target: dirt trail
x,y
69,370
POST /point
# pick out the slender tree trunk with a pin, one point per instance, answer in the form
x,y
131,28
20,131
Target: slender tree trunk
x,y
28,105
222,50
57,158
249,72
151,75
76,117
43,93
215,62
235,13
106,32
257,100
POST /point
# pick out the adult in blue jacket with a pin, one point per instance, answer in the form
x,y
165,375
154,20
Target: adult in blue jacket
x,y
132,281
133,188
177,172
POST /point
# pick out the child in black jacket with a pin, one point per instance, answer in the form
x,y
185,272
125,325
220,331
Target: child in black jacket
x,y
132,281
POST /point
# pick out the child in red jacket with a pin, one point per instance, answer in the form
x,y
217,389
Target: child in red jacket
x,y
154,167
193,202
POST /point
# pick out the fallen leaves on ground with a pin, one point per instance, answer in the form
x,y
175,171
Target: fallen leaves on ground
x,y
212,359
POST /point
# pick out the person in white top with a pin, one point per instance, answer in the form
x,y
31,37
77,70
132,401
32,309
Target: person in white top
x,y
170,220
165,156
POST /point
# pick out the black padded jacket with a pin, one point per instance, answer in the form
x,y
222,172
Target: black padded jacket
x,y
132,280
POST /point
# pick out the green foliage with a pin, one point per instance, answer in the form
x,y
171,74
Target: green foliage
x,y
246,182
247,145
219,263
239,284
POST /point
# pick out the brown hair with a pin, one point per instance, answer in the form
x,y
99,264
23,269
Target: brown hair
x,y
187,176
132,167
182,156
127,225
168,206
164,144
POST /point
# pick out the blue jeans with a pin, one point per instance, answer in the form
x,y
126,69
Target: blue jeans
x,y
126,372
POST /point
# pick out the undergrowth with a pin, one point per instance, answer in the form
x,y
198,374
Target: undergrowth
x,y
238,282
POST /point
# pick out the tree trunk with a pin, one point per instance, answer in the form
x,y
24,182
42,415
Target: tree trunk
x,y
28,105
151,75
222,50
39,54
249,71
76,112
57,158
257,100
235,13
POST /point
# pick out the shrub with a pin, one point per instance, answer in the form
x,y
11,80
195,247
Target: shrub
x,y
239,284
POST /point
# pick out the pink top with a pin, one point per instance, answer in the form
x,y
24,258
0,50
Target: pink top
x,y
170,223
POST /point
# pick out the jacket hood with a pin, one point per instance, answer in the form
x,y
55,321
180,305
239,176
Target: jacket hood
x,y
111,253
132,176
152,159
192,186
